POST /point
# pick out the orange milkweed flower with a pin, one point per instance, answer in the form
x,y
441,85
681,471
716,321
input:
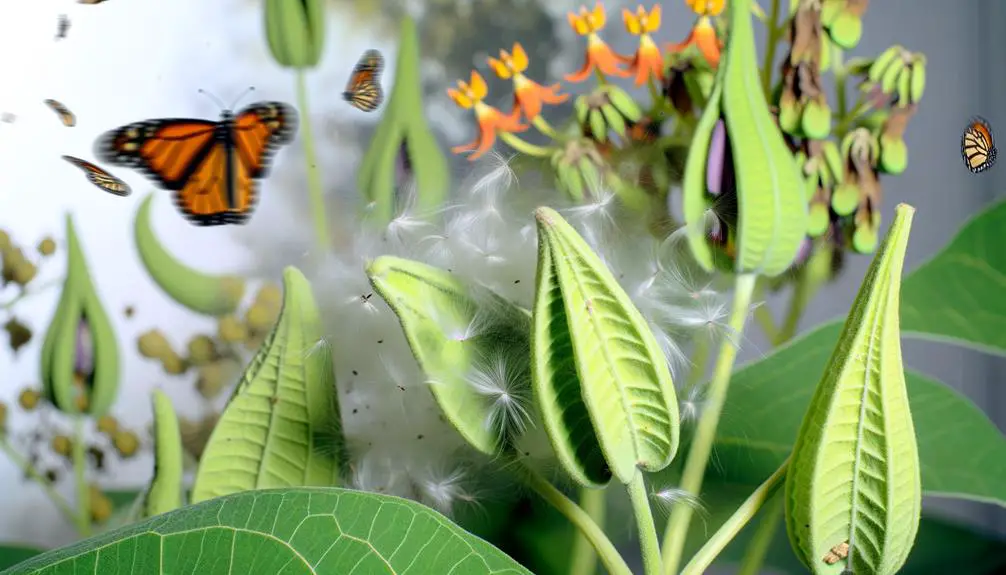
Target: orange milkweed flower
x,y
648,62
469,95
599,55
528,95
703,34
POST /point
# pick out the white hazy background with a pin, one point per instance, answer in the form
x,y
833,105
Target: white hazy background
x,y
124,61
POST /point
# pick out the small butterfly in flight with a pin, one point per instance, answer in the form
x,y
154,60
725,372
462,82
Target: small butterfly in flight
x,y
65,115
63,27
90,1
978,145
363,90
213,167
100,177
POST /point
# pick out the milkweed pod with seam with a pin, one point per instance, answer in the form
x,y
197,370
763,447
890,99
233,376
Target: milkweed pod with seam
x,y
80,355
295,31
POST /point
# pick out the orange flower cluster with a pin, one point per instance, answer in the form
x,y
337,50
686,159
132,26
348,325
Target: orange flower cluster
x,y
647,64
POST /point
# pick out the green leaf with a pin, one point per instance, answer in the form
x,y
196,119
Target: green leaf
x,y
453,328
165,491
768,398
693,193
202,293
772,209
854,474
323,531
556,384
957,295
623,374
282,427
11,554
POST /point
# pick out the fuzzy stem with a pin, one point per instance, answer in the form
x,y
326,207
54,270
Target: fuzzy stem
x,y
774,29
544,127
705,433
648,544
757,549
524,147
725,534
314,190
594,503
80,478
29,470
606,551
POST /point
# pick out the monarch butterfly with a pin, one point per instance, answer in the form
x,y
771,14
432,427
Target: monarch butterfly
x,y
63,27
363,90
100,177
65,115
213,167
978,145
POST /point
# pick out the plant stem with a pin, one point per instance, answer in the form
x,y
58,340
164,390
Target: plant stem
x,y
725,534
757,549
802,293
774,28
763,315
644,522
593,502
705,433
544,127
29,470
80,478
606,551
314,190
525,147
700,358
841,77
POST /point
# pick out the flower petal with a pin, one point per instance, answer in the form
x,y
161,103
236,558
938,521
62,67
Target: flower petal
x,y
520,60
704,36
479,89
501,69
597,18
653,19
460,98
632,25
578,24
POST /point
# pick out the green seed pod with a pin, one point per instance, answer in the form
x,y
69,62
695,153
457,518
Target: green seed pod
x,y
295,30
126,443
153,345
29,399
47,246
202,350
80,345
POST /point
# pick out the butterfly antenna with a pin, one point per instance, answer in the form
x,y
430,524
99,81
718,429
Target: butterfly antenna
x,y
216,100
242,95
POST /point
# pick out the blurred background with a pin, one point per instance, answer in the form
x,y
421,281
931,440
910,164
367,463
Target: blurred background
x,y
124,61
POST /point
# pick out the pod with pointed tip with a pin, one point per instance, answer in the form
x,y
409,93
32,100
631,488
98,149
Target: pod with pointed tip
x,y
80,354
165,490
202,293
854,474
295,31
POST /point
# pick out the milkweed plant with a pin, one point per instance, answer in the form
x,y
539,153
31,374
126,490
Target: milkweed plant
x,y
486,376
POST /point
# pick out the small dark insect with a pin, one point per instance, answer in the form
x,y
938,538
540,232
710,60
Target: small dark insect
x,y
100,177
129,311
62,27
367,297
363,90
65,115
837,553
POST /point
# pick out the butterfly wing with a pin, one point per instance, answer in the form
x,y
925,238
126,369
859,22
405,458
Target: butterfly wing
x,y
977,146
363,89
100,177
64,113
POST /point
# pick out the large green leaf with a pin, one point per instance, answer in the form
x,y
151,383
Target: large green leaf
x,y
853,478
622,373
282,426
961,452
957,295
456,329
305,531
11,555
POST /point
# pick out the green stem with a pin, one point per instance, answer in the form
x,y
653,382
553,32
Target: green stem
x,y
544,127
593,502
644,523
726,533
762,315
802,292
700,358
705,433
601,79
314,189
757,549
774,35
29,470
525,147
841,78
80,478
606,551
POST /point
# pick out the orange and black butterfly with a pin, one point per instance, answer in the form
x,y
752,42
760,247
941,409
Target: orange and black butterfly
x,y
213,168
100,177
363,90
65,115
978,145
